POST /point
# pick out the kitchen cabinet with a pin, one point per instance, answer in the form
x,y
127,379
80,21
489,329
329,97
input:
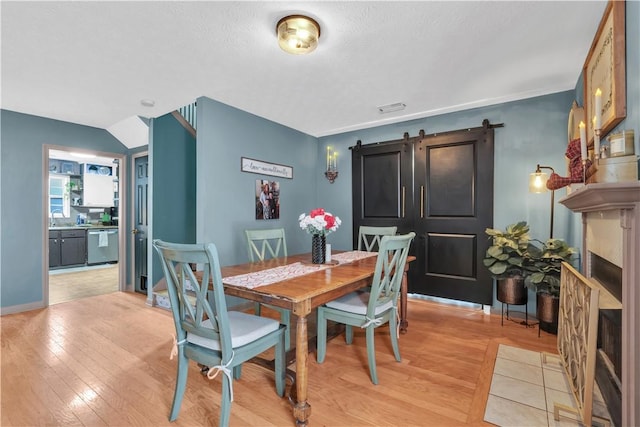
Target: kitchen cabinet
x,y
54,249
97,186
67,247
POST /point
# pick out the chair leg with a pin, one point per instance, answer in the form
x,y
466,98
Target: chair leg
x,y
348,334
237,372
280,368
225,405
321,339
285,319
393,331
181,384
371,354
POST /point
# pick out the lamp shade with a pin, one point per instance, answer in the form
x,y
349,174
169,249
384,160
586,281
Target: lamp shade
x,y
538,182
298,34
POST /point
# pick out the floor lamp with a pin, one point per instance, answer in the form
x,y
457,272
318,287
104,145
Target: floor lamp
x,y
538,184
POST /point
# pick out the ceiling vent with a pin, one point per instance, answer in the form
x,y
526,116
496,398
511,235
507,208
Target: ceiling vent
x,y
390,108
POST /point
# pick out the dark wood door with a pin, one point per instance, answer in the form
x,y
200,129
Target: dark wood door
x,y
454,204
382,177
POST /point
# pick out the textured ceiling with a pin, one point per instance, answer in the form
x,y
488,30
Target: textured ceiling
x,y
92,62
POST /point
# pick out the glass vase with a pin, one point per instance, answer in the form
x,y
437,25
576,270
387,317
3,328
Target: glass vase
x,y
318,248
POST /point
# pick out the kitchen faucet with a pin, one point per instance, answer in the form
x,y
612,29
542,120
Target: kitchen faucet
x,y
52,221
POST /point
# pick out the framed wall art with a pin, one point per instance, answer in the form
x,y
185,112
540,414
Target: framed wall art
x,y
604,69
265,168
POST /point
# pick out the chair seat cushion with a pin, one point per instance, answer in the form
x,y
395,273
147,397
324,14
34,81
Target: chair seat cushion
x,y
356,302
245,328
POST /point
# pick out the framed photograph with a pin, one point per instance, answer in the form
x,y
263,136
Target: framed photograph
x,y
265,168
267,197
604,69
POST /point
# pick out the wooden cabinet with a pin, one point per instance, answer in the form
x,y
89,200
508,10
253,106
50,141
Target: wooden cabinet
x,y
67,247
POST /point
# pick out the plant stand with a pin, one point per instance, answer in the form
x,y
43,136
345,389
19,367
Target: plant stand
x,y
511,291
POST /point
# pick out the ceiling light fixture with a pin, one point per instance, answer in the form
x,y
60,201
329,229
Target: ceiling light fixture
x,y
298,34
147,102
391,107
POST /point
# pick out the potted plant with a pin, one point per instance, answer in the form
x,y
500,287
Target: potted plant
x,y
542,266
505,259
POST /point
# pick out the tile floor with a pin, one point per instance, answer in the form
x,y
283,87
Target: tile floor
x,y
524,389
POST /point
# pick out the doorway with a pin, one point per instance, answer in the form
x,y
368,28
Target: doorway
x,y
140,167
81,198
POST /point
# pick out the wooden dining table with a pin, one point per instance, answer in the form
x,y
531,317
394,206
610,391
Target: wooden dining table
x,y
300,295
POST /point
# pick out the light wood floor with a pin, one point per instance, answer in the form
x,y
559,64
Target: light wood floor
x,y
65,286
104,360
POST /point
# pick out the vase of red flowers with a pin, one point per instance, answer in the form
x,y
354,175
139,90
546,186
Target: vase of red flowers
x,y
319,223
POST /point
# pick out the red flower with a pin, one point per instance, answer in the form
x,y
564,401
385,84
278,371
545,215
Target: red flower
x,y
316,212
331,221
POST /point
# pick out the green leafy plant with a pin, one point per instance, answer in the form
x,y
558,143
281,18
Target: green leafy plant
x,y
506,256
543,265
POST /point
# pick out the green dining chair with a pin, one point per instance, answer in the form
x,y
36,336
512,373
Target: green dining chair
x,y
374,308
206,332
264,244
369,236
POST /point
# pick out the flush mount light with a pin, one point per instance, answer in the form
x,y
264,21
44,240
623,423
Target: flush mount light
x,y
391,107
147,102
298,34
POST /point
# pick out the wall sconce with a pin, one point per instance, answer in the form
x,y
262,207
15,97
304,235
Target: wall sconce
x,y
332,165
538,184
298,34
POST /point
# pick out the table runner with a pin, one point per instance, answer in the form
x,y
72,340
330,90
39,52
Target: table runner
x,y
277,274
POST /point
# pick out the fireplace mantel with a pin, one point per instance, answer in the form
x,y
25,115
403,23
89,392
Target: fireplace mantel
x,y
599,203
604,196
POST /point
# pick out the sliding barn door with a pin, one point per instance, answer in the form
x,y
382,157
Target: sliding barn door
x,y
382,185
454,205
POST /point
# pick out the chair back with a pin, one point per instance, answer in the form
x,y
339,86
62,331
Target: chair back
x,y
208,316
261,243
387,279
369,237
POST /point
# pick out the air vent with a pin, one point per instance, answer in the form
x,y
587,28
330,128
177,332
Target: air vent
x,y
390,108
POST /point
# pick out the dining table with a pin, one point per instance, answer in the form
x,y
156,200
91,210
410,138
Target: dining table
x,y
296,284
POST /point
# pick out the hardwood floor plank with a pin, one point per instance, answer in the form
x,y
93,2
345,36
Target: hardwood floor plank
x,y
104,361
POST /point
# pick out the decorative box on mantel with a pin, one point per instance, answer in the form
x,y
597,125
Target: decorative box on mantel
x,y
615,169
611,251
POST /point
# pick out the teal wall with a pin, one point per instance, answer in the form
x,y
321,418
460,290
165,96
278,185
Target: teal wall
x,y
21,190
226,195
535,131
173,184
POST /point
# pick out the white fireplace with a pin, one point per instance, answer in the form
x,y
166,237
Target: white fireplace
x,y
611,254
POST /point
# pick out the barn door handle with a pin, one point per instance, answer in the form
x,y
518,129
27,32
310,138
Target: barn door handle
x,y
403,199
422,201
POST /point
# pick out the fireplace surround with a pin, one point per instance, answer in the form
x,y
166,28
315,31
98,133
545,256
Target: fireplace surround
x,y
611,249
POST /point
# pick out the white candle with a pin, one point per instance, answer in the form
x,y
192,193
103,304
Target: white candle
x,y
335,161
327,254
328,158
598,108
596,139
583,141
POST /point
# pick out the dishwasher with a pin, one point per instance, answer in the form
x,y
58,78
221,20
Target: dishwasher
x,y
102,245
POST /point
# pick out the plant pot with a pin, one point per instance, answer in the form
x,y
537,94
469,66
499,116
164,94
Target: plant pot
x,y
511,291
547,308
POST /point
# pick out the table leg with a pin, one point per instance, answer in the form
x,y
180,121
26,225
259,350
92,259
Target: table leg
x,y
403,301
302,409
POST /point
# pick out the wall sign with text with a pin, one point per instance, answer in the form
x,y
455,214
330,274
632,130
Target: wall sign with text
x,y
265,168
